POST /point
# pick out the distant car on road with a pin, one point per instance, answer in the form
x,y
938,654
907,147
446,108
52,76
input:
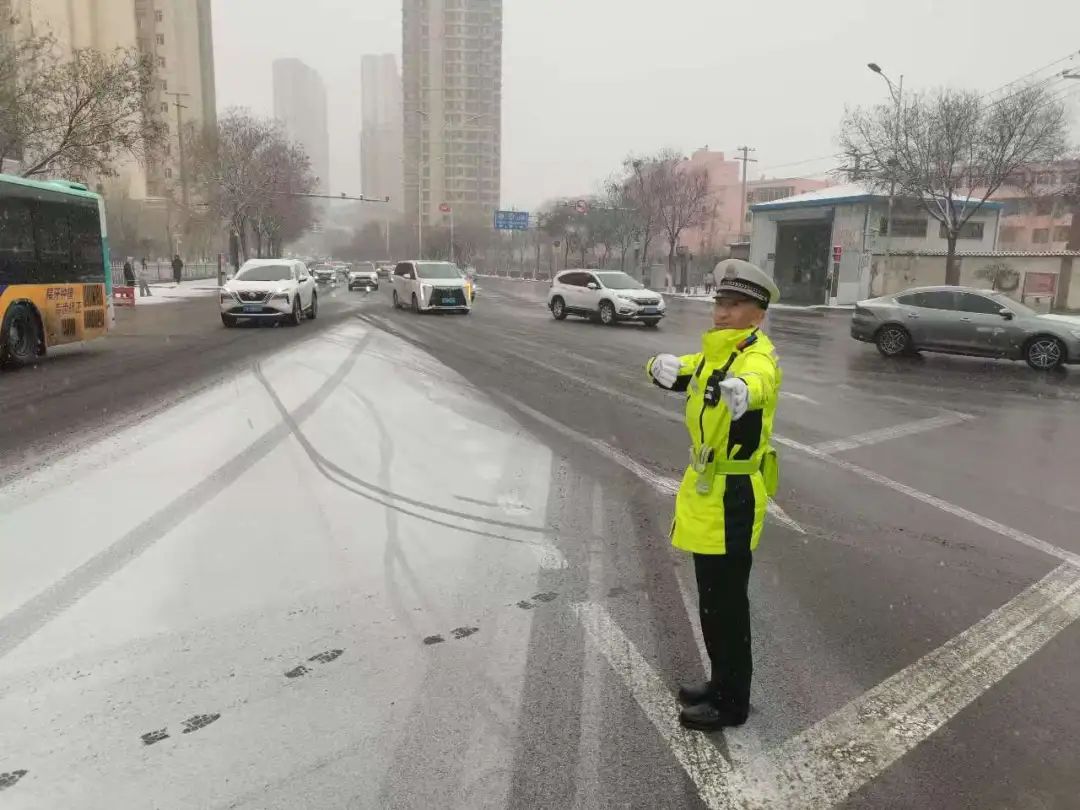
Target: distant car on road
x,y
604,295
386,269
269,289
967,321
426,286
325,274
363,276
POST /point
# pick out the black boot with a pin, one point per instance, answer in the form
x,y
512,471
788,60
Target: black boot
x,y
695,693
712,716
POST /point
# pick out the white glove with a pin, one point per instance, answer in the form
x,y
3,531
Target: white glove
x,y
736,396
665,369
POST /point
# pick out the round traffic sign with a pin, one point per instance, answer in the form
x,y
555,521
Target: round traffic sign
x,y
444,207
582,207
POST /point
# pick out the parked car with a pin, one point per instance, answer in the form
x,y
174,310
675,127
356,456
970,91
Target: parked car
x,y
363,276
604,295
269,289
425,286
968,321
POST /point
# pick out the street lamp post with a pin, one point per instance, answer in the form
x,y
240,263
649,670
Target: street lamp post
x,y
897,93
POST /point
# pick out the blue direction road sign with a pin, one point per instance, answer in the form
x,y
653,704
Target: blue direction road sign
x,y
511,220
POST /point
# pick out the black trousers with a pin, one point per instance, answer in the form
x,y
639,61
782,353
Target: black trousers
x,y
722,581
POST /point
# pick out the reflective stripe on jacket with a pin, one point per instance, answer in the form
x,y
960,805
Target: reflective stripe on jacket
x,y
728,517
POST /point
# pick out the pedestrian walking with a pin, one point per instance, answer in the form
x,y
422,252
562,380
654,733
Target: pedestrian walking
x,y
732,385
144,284
177,268
129,273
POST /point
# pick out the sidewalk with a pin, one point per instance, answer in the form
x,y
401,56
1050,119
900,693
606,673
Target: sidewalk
x,y
165,292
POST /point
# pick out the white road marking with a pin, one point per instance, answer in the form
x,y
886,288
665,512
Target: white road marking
x,y
987,523
695,752
661,483
590,742
800,397
894,432
832,759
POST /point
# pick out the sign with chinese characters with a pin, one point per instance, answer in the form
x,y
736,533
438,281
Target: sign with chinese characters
x,y
511,220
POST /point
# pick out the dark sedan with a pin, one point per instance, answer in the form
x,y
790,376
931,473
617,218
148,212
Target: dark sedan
x,y
969,321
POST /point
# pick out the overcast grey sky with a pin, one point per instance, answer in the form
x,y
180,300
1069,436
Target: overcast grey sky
x,y
586,82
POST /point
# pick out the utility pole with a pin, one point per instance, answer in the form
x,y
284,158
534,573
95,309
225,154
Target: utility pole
x,y
180,146
746,150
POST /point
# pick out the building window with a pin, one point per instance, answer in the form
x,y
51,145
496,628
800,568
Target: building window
x,y
969,230
161,61
159,16
1061,233
164,85
160,39
1011,235
1044,180
1044,207
1040,236
905,227
168,172
164,107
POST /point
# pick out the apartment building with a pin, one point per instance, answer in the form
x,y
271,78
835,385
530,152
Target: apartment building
x,y
1036,215
452,86
176,35
381,157
300,107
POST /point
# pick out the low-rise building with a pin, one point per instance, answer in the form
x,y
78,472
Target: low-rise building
x,y
823,246
1036,214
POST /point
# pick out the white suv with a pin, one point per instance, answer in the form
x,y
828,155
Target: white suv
x,y
604,295
363,276
426,286
269,289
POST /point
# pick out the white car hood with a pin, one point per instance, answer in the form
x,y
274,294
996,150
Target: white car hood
x,y
259,286
443,282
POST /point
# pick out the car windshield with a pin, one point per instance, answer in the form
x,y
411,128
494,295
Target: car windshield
x,y
265,272
619,281
365,267
435,270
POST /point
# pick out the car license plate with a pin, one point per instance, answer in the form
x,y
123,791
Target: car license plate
x,y
448,300
649,311
252,308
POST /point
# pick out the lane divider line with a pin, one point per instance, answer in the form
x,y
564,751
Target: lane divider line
x,y
893,432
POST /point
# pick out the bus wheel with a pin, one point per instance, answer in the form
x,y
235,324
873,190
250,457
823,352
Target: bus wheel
x,y
19,337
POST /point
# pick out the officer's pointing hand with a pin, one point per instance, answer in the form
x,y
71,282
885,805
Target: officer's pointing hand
x,y
735,396
665,369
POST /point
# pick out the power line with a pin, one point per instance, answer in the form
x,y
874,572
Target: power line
x,y
1071,55
796,162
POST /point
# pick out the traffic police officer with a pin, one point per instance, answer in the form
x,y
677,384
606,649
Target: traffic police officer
x,y
732,386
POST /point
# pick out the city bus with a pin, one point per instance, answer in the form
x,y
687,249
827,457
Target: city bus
x,y
55,276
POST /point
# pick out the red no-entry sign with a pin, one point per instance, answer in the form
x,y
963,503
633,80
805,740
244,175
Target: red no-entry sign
x,y
837,252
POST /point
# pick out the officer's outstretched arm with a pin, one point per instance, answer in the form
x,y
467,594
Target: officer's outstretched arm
x,y
759,372
678,376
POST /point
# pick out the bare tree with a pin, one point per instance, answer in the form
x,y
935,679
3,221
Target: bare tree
x,y
684,201
77,117
644,188
252,179
950,150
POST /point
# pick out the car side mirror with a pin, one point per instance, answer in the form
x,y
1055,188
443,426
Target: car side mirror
x,y
1005,313
592,285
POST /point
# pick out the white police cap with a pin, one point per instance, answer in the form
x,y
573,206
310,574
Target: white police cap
x,y
743,278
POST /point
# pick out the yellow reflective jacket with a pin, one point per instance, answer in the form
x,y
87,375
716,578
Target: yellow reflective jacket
x,y
721,509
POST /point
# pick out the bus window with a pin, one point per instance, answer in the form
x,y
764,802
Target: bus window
x,y
54,243
16,240
86,245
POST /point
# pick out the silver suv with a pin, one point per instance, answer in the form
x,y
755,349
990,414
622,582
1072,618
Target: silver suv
x,y
966,320
604,295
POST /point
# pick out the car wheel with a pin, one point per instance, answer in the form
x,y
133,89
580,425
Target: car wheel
x,y
313,310
607,313
893,341
297,314
228,320
1044,353
397,301
415,304
651,323
558,308
21,338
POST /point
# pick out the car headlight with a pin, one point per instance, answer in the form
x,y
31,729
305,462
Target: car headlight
x,y
226,295
280,296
